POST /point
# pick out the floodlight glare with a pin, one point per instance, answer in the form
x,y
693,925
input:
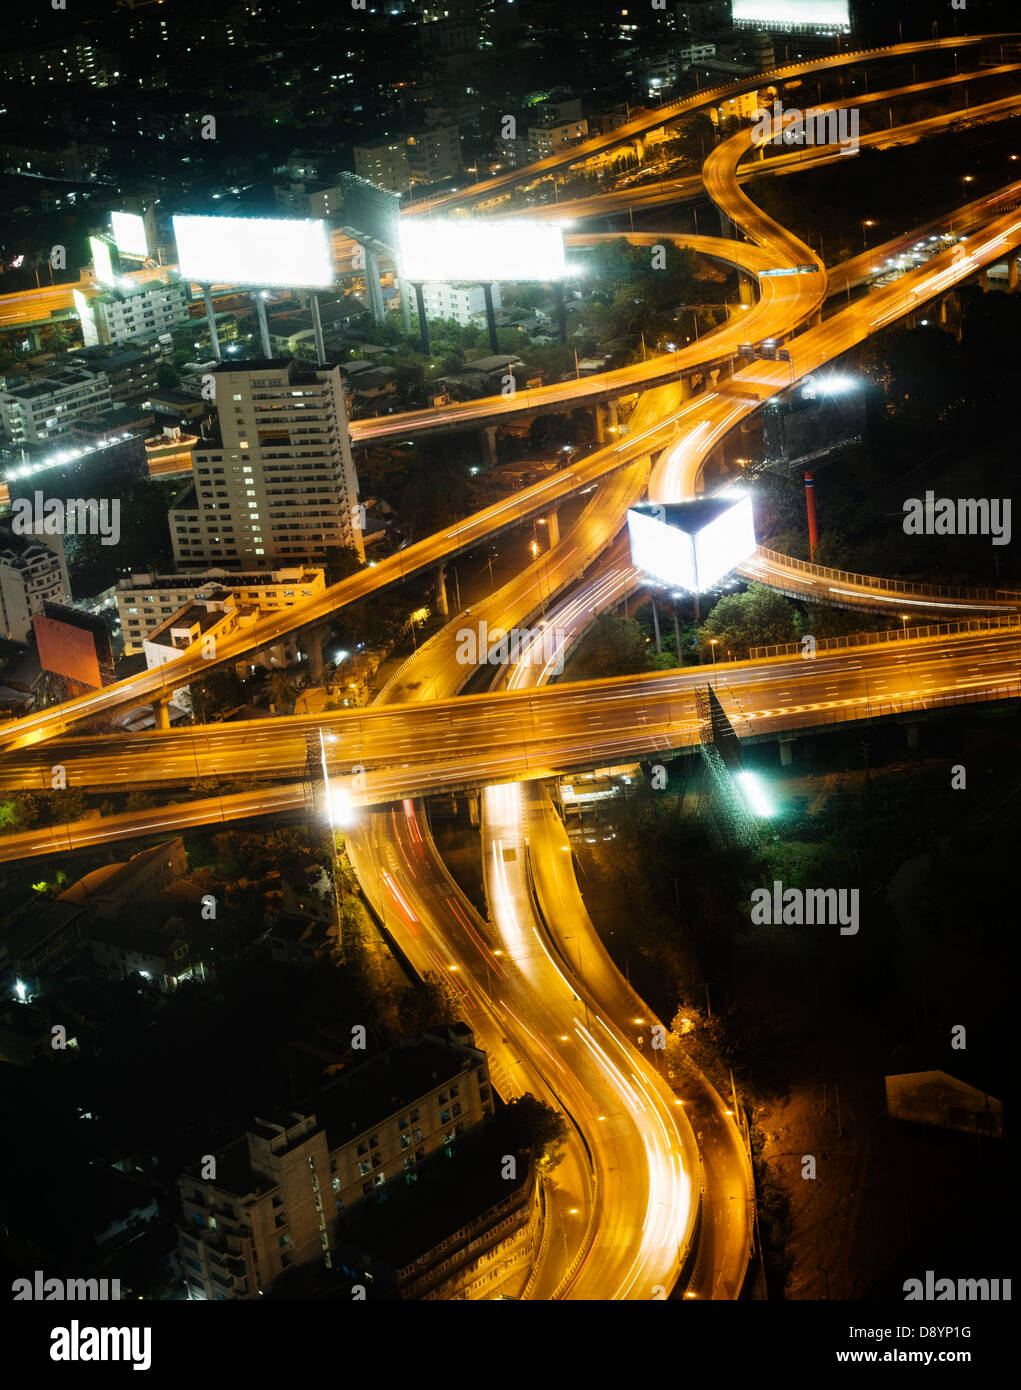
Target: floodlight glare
x,y
273,251
755,794
691,545
463,249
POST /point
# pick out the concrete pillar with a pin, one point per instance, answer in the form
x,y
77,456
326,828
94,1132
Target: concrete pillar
x,y
943,310
161,709
786,752
745,285
983,280
442,602
487,442
913,735
611,414
1012,271
599,419
211,320
553,528
312,646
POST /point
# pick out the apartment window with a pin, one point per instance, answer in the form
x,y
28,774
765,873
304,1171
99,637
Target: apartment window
x,y
362,1150
444,1116
457,1107
416,1134
281,1220
414,1116
454,1091
363,1167
377,1159
336,1184
405,1141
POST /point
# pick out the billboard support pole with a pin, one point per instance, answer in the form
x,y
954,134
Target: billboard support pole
x,y
260,309
317,330
487,290
558,290
211,320
373,285
405,298
423,326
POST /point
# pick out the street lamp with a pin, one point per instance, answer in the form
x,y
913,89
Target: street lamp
x,y
864,233
712,644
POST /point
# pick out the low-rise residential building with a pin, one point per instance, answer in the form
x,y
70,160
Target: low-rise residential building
x,y
277,1189
32,571
466,304
544,140
42,409
146,601
140,311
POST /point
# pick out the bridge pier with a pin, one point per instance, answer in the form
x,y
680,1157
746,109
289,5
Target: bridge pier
x,y
786,750
487,443
553,528
605,419
161,711
1011,272
373,285
442,602
745,285
312,646
913,732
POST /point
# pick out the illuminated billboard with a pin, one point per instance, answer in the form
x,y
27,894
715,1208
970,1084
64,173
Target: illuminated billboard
x,y
272,251
90,333
691,545
478,250
793,14
129,234
103,260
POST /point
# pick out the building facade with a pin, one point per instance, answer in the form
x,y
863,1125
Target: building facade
x,y
277,1190
45,408
146,601
142,312
279,483
31,572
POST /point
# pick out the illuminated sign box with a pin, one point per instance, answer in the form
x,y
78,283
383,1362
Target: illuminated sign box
x,y
286,252
691,545
793,14
463,249
129,234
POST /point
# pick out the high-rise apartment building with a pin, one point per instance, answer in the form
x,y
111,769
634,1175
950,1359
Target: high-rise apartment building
x,y
43,408
32,571
278,483
142,312
397,163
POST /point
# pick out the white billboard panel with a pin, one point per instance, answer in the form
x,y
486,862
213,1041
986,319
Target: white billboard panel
x,y
478,250
696,558
824,14
129,234
282,251
102,261
662,551
724,543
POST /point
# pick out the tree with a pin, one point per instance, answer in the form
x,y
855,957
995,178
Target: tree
x,y
282,687
167,377
546,1131
757,618
340,561
613,646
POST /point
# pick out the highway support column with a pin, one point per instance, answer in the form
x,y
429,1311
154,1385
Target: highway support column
x,y
487,443
312,645
1012,271
745,285
442,602
317,331
161,710
553,528
786,750
813,526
